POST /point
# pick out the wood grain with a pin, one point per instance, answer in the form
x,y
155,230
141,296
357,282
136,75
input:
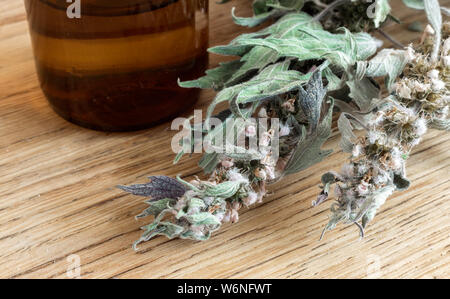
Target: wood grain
x,y
57,195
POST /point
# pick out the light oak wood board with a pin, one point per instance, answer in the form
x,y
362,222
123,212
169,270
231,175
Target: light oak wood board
x,y
57,194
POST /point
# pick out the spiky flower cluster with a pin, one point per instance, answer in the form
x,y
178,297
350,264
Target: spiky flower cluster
x,y
377,167
280,74
238,180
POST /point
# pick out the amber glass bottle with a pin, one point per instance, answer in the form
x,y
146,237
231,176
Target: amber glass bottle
x,y
116,67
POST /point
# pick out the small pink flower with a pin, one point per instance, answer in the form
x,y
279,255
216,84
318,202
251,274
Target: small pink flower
x,y
251,199
284,130
261,174
234,216
250,131
363,188
227,163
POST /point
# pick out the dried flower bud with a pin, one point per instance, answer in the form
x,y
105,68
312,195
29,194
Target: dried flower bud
x,y
195,183
437,85
397,160
270,171
410,54
337,191
362,169
289,105
234,217
363,188
378,119
198,229
433,74
265,139
357,150
420,126
227,216
429,30
227,163
403,90
261,174
284,130
236,206
251,199
250,131
373,137
421,87
446,61
180,204
381,179
235,176
446,47
220,217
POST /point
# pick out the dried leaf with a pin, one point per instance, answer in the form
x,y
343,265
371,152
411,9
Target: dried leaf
x,y
364,93
346,130
416,4
440,124
311,99
387,62
308,150
382,10
160,187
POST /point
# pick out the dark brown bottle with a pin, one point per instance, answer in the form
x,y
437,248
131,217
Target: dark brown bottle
x,y
116,68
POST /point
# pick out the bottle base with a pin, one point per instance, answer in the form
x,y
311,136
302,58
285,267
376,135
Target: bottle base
x,y
104,127
121,102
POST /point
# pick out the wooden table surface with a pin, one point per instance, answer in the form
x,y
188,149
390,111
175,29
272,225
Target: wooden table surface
x,y
58,201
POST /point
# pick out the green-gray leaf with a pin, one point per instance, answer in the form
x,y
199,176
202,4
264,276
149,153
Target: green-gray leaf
x,y
308,150
416,4
203,218
387,62
346,130
156,207
311,99
382,10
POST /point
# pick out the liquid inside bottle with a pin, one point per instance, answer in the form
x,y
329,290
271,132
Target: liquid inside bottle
x,y
116,67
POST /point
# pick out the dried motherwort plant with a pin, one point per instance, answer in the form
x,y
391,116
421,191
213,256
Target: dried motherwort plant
x,y
419,99
295,73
